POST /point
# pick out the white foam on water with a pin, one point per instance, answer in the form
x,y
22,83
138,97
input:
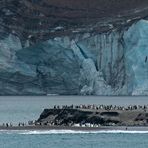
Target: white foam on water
x,y
54,132
49,132
123,132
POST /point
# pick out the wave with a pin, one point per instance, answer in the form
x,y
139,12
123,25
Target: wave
x,y
49,132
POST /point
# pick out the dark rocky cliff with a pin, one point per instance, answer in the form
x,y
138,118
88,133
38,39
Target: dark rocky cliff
x,y
73,47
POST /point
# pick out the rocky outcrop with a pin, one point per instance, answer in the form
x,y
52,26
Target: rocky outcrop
x,y
44,51
74,116
87,117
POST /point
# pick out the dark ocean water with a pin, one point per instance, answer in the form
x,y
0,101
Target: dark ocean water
x,y
72,140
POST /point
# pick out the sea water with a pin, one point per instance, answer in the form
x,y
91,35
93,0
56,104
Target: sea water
x,y
21,109
71,139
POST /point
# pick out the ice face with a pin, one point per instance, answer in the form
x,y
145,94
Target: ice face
x,y
122,57
111,63
136,49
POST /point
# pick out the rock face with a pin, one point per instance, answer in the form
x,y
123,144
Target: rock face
x,y
60,47
71,117
75,116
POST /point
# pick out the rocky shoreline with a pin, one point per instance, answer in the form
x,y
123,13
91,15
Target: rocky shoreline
x,y
67,128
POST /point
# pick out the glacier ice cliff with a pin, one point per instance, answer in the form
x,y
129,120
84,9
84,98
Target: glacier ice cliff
x,y
70,47
136,53
108,63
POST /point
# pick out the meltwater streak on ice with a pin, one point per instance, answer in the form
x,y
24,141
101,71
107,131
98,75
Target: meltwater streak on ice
x,y
52,132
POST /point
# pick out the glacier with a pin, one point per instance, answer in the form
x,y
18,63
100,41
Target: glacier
x,y
136,46
107,63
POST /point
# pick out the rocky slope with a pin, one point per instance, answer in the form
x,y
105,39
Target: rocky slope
x,y
73,47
